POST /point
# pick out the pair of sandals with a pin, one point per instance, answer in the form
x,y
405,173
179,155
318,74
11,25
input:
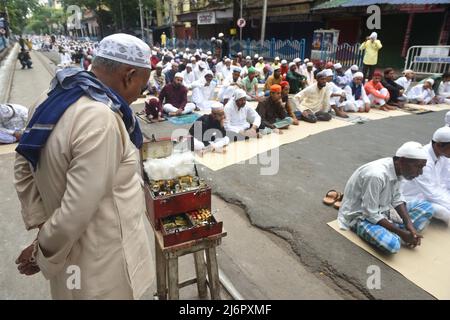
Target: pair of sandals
x,y
333,198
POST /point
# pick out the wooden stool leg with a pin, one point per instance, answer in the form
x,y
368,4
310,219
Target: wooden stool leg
x,y
213,273
173,279
161,283
200,271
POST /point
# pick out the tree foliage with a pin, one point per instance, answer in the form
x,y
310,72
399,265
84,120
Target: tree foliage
x,y
19,12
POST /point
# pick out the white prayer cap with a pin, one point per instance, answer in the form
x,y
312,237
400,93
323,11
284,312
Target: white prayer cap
x,y
322,74
256,56
358,75
337,66
217,107
429,80
239,53
354,67
292,64
209,57
297,60
174,50
159,64
237,69
248,58
373,35
261,58
412,150
275,68
408,71
185,56
227,60
178,75
189,65
442,135
306,60
187,50
208,72
220,34
200,50
154,53
193,59
283,61
209,53
310,64
202,64
328,72
239,94
204,56
447,118
126,49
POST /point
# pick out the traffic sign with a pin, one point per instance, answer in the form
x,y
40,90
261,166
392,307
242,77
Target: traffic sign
x,y
241,22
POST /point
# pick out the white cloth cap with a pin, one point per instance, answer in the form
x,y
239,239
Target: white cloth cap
x,y
189,65
328,72
277,58
217,107
209,53
239,94
193,59
208,72
178,75
220,34
430,81
354,67
248,58
261,58
237,69
408,71
412,150
227,60
202,64
442,134
283,61
256,56
358,75
239,53
310,64
292,64
337,66
126,49
306,60
187,50
297,60
447,118
373,35
276,68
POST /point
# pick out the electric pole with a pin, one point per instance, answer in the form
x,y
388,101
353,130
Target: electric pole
x,y
263,24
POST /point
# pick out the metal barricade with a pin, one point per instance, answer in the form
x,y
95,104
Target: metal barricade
x,y
428,60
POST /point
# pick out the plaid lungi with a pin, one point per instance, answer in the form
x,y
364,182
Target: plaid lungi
x,y
420,212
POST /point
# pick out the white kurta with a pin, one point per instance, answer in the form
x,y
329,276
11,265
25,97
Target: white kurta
x,y
203,95
311,98
310,78
444,92
420,94
405,83
237,120
351,104
188,78
88,190
431,185
334,89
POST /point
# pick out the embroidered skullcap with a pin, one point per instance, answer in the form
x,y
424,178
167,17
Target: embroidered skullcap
x,y
126,49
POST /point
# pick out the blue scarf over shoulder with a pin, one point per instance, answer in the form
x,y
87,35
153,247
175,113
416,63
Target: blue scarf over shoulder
x,y
67,87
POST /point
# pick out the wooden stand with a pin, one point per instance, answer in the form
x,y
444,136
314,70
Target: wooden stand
x,y
167,266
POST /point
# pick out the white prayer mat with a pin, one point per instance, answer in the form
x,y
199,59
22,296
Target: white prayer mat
x,y
376,114
242,151
426,266
431,107
7,148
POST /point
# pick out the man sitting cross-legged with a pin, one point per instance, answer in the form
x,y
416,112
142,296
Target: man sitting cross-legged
x,y
273,115
377,94
173,98
373,191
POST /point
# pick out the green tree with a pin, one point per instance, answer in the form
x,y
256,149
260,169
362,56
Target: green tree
x,y
19,11
44,19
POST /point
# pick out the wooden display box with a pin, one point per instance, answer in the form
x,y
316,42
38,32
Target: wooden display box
x,y
160,207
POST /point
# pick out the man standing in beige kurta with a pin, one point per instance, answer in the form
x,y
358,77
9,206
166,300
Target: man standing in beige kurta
x,y
84,191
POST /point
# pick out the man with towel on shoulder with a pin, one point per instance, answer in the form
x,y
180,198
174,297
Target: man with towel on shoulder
x,y
209,133
373,191
434,184
273,115
78,178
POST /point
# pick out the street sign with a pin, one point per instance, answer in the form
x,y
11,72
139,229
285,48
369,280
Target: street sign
x,y
241,22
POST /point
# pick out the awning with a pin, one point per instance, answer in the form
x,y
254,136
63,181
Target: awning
x,y
333,4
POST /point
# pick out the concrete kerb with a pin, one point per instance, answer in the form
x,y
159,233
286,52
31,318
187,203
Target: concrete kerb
x,y
8,68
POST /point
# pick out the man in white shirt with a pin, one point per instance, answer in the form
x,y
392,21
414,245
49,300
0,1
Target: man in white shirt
x,y
351,72
443,94
188,76
422,93
240,119
308,72
314,101
230,85
373,191
201,70
13,120
340,79
432,185
337,95
203,92
405,81
355,94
